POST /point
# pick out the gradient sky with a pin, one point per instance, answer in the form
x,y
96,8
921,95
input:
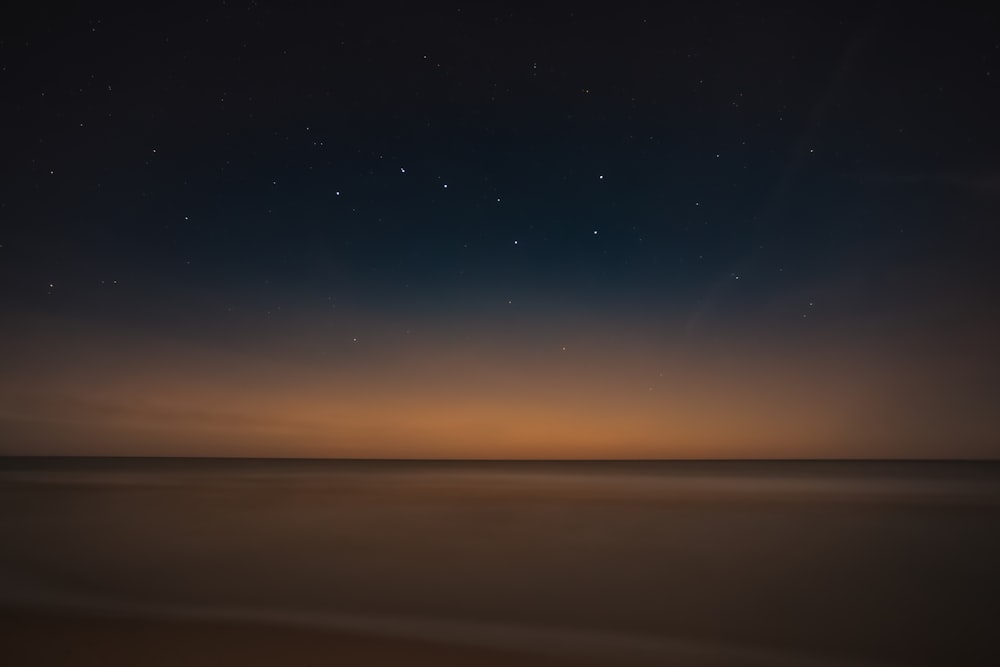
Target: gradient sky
x,y
446,230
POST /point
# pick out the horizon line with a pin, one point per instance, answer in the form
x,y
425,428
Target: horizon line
x,y
161,457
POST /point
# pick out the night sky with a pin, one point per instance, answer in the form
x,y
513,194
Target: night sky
x,y
490,230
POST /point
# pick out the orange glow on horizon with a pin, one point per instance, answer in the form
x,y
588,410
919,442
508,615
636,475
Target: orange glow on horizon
x,y
598,398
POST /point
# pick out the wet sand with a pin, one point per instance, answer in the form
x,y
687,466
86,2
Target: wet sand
x,y
98,640
267,562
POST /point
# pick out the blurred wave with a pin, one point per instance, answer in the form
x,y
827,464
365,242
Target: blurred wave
x,y
565,643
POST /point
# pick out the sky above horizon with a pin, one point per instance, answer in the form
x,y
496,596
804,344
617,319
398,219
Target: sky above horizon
x,y
481,231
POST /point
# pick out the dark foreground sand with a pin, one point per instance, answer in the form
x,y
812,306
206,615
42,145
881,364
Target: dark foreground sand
x,y
260,563
51,639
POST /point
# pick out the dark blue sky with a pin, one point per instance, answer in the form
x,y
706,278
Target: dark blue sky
x,y
782,173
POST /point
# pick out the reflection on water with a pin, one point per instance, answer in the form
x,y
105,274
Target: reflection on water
x,y
703,562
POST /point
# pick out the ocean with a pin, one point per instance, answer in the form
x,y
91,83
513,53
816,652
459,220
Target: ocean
x,y
239,561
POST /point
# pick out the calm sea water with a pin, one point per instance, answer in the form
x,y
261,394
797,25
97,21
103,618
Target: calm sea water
x,y
764,563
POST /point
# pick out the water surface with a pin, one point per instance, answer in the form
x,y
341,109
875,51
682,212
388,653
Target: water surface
x,y
762,563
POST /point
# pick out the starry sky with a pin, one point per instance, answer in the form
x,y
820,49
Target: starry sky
x,y
488,230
